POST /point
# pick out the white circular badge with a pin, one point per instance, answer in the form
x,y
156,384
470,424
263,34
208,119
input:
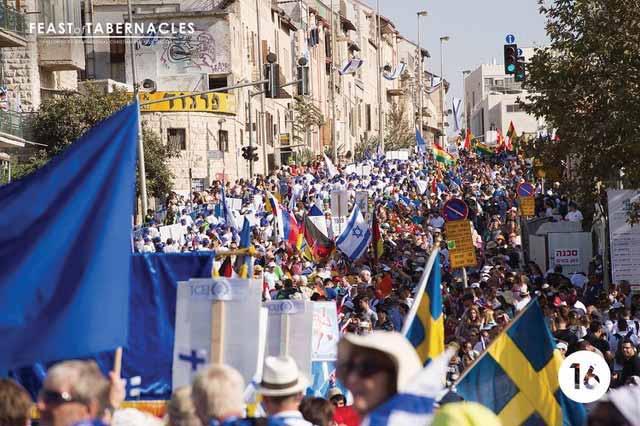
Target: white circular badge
x,y
584,376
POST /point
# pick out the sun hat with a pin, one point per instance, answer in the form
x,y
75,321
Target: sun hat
x,y
392,344
281,377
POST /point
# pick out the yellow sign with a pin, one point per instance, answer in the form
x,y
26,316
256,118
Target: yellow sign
x,y
223,103
462,252
527,206
461,259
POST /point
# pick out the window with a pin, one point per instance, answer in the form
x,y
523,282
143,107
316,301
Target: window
x,y
217,83
514,108
268,127
367,116
223,140
177,139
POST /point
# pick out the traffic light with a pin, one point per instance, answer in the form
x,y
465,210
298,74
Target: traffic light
x,y
272,74
250,153
510,58
303,78
521,68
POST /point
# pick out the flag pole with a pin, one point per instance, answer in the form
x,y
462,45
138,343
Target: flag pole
x,y
424,280
141,166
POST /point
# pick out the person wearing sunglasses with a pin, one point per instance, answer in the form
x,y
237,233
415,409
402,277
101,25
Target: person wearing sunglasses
x,y
76,391
375,367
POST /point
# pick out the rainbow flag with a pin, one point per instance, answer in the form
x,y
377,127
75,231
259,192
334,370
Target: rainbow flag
x,y
442,156
483,149
292,232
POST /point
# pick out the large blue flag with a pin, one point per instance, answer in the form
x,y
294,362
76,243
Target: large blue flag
x,y
517,376
65,249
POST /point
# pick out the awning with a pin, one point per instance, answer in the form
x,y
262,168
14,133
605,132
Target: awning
x,y
347,24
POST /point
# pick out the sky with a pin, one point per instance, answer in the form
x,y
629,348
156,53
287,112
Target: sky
x,y
477,29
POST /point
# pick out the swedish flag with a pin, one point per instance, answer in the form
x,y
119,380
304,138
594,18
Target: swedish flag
x,y
517,376
424,326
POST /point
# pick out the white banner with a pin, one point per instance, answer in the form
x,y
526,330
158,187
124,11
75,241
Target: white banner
x,y
625,239
193,326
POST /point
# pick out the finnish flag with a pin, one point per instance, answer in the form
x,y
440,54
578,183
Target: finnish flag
x,y
355,238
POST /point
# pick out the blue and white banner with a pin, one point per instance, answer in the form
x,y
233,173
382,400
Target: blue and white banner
x,y
456,106
356,236
396,72
350,66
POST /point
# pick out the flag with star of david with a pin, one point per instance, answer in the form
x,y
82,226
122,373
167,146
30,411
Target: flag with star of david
x,y
356,236
517,376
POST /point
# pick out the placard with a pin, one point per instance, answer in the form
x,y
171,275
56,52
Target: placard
x,y
339,203
291,335
462,252
192,344
397,155
325,332
459,233
362,201
527,206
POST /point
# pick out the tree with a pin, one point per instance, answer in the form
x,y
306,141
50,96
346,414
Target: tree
x,y
586,84
64,118
399,132
307,117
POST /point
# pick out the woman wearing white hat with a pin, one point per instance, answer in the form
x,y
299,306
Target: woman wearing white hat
x,y
375,367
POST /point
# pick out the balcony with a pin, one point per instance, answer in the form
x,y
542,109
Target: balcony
x,y
60,54
12,27
15,129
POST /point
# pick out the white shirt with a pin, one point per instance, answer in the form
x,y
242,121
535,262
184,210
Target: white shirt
x,y
291,418
575,216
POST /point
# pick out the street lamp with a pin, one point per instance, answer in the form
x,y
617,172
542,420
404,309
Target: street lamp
x,y
467,120
420,73
442,40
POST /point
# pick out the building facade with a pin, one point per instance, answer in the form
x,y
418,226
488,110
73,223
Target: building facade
x,y
33,66
491,102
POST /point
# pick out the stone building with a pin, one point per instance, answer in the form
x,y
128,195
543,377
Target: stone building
x,y
34,64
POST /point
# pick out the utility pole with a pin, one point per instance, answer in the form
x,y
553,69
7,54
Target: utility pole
x,y
141,167
379,75
334,53
442,93
420,74
261,127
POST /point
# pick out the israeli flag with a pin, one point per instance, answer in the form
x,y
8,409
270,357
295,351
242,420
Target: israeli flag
x,y
355,238
396,73
456,105
227,212
350,66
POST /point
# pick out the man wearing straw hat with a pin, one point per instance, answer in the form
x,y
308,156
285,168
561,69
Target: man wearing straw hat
x,y
282,389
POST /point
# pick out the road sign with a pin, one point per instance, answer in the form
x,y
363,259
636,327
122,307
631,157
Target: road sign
x,y
525,190
527,206
510,39
520,52
462,252
455,209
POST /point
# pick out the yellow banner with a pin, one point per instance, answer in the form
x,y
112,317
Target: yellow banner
x,y
223,103
462,258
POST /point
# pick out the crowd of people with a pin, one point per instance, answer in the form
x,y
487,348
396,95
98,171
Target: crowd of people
x,y
374,294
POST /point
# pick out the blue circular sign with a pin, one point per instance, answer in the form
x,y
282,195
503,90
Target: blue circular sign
x,y
525,190
510,39
520,52
455,209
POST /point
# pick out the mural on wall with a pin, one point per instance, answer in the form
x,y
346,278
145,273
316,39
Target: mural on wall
x,y
206,50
